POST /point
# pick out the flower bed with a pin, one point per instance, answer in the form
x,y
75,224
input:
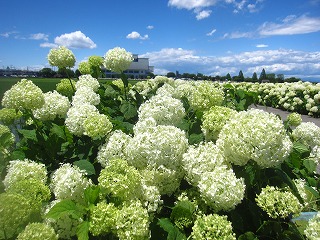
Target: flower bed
x,y
163,159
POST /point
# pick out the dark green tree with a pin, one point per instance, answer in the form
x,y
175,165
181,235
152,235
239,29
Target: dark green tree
x,y
171,75
240,76
254,77
228,77
263,75
47,73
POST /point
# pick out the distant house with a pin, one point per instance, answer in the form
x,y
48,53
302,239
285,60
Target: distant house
x,y
138,69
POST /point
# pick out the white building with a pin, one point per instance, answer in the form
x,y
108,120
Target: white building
x,y
138,69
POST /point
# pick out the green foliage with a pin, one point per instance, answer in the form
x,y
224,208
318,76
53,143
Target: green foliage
x,y
172,230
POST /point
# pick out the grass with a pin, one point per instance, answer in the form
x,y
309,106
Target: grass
x,y
46,84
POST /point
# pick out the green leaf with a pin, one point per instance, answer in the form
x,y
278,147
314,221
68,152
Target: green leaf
x,y
85,165
64,207
310,165
18,155
91,194
173,232
300,148
28,134
248,236
129,110
83,231
195,138
58,131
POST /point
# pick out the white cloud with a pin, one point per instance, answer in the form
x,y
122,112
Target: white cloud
x,y
7,34
262,46
234,35
150,27
203,14
291,25
48,45
136,35
212,32
75,40
39,36
192,4
285,61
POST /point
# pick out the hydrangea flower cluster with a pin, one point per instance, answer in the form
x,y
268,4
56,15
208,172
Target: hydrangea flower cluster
x,y
69,182
117,60
76,116
64,87
55,105
61,57
278,203
200,159
213,227
85,95
7,139
294,119
165,109
9,115
205,95
214,119
256,135
309,200
308,133
88,81
24,95
15,212
120,180
221,189
38,231
312,230
26,169
97,126
85,68
159,149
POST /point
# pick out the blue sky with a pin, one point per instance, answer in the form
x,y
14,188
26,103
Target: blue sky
x,y
213,37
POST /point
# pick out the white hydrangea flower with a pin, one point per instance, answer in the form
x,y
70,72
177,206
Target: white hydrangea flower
x,y
85,94
113,148
69,182
308,133
19,170
55,105
221,189
165,109
97,126
88,81
200,159
117,59
76,116
312,230
61,57
255,135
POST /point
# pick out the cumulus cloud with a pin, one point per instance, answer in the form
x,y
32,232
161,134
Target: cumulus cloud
x,y
262,45
203,14
39,36
150,27
72,40
285,61
48,45
136,35
291,25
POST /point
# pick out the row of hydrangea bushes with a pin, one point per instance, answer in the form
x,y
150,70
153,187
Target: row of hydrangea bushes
x,y
162,159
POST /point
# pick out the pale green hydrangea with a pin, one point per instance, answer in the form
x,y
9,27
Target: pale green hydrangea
x,y
307,133
84,95
33,190
26,169
95,61
278,203
165,109
306,193
103,218
312,231
205,95
15,213
64,87
294,119
9,115
56,105
165,89
159,148
23,95
255,135
97,126
213,121
118,83
69,182
132,222
221,189
120,180
85,68
76,116
114,148
88,81
144,126
7,138
214,227
117,60
61,57
151,198
200,159
38,231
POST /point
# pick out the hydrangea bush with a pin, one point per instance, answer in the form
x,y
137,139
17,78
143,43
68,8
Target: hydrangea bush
x,y
162,159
